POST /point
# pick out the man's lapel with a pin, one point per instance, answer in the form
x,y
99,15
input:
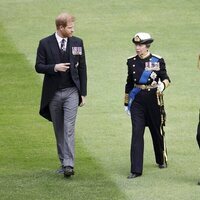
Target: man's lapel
x,y
55,49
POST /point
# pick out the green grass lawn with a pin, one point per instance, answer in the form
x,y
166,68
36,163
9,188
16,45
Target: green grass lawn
x,y
27,146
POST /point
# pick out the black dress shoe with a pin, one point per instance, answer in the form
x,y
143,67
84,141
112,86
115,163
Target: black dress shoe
x,y
68,171
133,175
162,166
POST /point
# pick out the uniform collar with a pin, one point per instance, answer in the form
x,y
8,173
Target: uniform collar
x,y
145,56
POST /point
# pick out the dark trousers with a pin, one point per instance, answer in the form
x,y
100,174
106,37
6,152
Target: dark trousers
x,y
198,134
145,112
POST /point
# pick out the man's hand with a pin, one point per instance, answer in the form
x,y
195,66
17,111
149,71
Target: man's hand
x,y
83,101
61,67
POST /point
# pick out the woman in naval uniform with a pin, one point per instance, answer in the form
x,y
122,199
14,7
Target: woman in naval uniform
x,y
147,77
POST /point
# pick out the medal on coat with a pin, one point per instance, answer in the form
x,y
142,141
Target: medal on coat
x,y
152,66
76,51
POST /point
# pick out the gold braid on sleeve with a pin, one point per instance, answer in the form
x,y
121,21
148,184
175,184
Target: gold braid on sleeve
x,y
126,99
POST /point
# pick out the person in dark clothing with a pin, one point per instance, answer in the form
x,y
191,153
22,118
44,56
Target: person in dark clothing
x,y
147,77
61,58
198,136
198,127
198,131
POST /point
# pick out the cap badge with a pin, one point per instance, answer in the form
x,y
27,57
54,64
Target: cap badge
x,y
137,39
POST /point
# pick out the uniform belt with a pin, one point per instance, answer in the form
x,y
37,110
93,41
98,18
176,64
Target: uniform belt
x,y
145,87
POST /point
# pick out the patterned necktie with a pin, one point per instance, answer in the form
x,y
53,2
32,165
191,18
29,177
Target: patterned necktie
x,y
63,46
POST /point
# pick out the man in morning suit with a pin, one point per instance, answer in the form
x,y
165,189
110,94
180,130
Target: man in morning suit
x,y
61,58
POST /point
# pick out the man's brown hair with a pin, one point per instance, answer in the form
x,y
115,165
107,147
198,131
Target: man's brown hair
x,y
63,19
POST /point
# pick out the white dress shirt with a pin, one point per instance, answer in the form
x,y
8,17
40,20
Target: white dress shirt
x,y
59,40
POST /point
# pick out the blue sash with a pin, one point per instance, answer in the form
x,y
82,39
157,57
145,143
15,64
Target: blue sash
x,y
154,59
143,80
135,91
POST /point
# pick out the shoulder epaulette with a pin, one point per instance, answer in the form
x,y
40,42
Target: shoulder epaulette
x,y
157,56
